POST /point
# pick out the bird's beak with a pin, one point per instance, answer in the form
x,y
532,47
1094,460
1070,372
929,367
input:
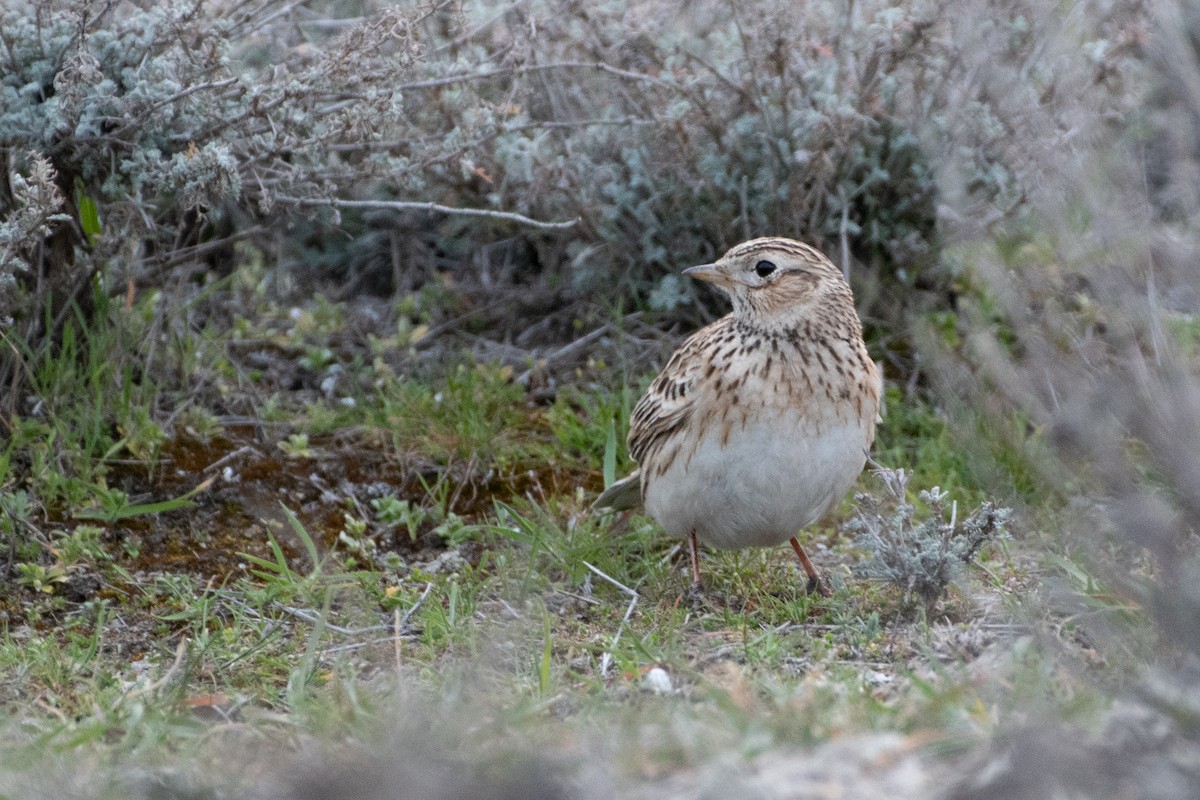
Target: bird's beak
x,y
707,272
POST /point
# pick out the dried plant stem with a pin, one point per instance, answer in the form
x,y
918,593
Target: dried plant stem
x,y
606,659
405,205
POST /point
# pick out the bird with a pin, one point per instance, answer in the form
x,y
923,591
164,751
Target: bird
x,y
761,421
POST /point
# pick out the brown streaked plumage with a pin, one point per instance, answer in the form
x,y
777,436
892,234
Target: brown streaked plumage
x,y
760,422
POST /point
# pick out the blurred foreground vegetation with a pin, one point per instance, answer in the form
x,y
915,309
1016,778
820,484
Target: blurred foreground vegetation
x,y
322,323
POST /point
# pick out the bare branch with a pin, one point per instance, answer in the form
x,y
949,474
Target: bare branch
x,y
521,70
404,205
578,344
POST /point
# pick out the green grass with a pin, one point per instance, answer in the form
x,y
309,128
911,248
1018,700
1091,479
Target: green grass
x,y
969,455
472,578
474,413
587,422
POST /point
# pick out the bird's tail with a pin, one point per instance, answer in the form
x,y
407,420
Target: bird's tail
x,y
623,495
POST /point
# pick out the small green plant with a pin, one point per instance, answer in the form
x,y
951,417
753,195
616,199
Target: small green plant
x,y
39,578
141,436
394,512
355,527
114,505
82,545
296,446
920,557
317,358
200,423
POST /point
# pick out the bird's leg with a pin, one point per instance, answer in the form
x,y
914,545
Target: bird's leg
x,y
694,552
815,584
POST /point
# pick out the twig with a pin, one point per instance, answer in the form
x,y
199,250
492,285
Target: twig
x,y
309,616
471,34
180,650
225,459
331,24
236,420
408,614
341,648
606,659
400,624
591,601
431,335
154,266
571,347
406,205
463,77
49,709
253,25
180,95
547,125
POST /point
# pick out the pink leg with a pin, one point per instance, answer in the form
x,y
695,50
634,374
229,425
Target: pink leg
x,y
814,578
694,552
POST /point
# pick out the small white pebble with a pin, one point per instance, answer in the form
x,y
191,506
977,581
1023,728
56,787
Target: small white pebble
x,y
658,681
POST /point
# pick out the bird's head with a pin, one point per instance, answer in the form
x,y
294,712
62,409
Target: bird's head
x,y
774,282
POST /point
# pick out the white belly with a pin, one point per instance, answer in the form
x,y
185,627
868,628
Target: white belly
x,y
769,482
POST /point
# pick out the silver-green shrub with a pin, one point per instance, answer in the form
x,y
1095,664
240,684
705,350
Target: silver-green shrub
x,y
920,555
668,134
672,134
155,122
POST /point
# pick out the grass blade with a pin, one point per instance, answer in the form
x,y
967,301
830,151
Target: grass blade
x,y
544,666
610,454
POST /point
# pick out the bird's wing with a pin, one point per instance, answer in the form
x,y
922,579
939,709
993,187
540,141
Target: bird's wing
x,y
670,401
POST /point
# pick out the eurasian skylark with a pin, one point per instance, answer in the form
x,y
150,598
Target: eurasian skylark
x,y
760,422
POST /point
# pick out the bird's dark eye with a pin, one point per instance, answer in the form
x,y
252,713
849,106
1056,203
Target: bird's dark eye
x,y
764,268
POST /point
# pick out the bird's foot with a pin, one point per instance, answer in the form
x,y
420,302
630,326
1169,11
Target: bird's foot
x,y
817,586
696,597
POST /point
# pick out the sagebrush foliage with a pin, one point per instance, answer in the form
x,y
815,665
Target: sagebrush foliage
x,y
147,116
175,128
35,207
921,557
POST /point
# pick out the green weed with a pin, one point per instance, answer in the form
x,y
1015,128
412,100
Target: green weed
x,y
592,425
472,415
